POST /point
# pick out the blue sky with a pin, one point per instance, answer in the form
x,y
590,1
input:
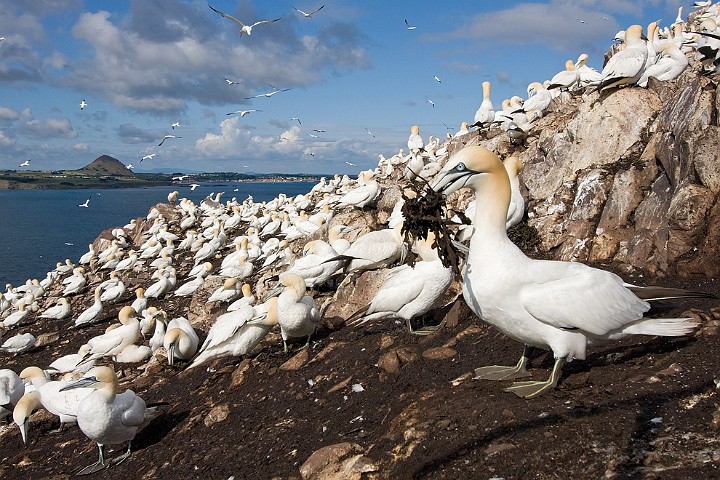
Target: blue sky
x,y
142,65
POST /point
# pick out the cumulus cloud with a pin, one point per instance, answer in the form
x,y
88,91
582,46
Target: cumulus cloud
x,y
130,133
136,61
50,127
558,24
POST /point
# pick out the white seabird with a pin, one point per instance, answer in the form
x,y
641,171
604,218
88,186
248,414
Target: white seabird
x,y
310,14
59,311
243,28
297,313
165,138
12,389
626,66
18,344
233,335
409,292
180,340
561,306
485,114
92,313
108,417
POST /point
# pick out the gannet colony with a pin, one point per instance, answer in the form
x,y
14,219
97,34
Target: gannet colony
x,y
343,323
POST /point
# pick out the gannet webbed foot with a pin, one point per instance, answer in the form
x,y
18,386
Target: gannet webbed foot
x,y
532,389
118,460
97,466
58,430
500,372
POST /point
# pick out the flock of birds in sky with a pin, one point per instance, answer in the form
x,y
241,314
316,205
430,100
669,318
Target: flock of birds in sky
x,y
238,245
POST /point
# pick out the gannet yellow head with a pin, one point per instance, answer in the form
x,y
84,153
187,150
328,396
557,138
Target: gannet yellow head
x,y
462,167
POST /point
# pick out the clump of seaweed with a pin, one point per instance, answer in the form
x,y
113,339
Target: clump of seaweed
x,y
424,213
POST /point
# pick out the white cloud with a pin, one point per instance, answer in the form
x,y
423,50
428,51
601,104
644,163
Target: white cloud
x,y
136,64
50,127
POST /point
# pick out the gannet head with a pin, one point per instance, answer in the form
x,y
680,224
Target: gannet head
x,y
582,59
462,167
27,404
126,313
415,130
97,378
30,373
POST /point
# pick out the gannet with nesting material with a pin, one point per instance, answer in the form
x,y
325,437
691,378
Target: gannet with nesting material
x,y
364,194
59,311
233,335
555,305
409,292
297,313
670,64
485,114
108,417
18,344
243,28
626,66
12,389
92,313
180,340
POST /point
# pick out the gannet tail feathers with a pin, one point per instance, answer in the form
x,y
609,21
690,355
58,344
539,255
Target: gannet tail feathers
x,y
664,327
650,294
355,317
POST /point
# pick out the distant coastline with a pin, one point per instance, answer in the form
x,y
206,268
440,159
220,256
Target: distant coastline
x,y
46,180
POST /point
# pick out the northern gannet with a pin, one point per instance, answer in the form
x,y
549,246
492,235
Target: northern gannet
x,y
560,306
59,311
409,292
243,28
242,113
310,14
18,344
485,114
53,399
297,313
108,417
12,389
165,138
180,340
92,313
670,64
626,66
233,334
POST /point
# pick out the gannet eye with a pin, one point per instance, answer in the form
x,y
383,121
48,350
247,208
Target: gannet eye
x,y
460,167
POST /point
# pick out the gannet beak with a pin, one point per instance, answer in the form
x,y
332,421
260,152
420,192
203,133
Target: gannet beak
x,y
451,180
83,382
171,355
274,292
24,429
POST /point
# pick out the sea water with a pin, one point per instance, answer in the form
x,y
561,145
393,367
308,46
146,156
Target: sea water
x,y
39,228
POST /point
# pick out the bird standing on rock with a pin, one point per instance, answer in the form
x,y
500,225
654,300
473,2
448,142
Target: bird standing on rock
x,y
555,305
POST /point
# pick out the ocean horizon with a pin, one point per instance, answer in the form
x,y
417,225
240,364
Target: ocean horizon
x,y
43,227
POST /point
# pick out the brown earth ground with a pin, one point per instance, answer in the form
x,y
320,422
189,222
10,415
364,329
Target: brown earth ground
x,y
641,408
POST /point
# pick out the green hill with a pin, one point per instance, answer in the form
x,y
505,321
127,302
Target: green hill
x,y
106,165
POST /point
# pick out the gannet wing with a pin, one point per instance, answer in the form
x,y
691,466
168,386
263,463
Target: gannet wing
x,y
576,296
